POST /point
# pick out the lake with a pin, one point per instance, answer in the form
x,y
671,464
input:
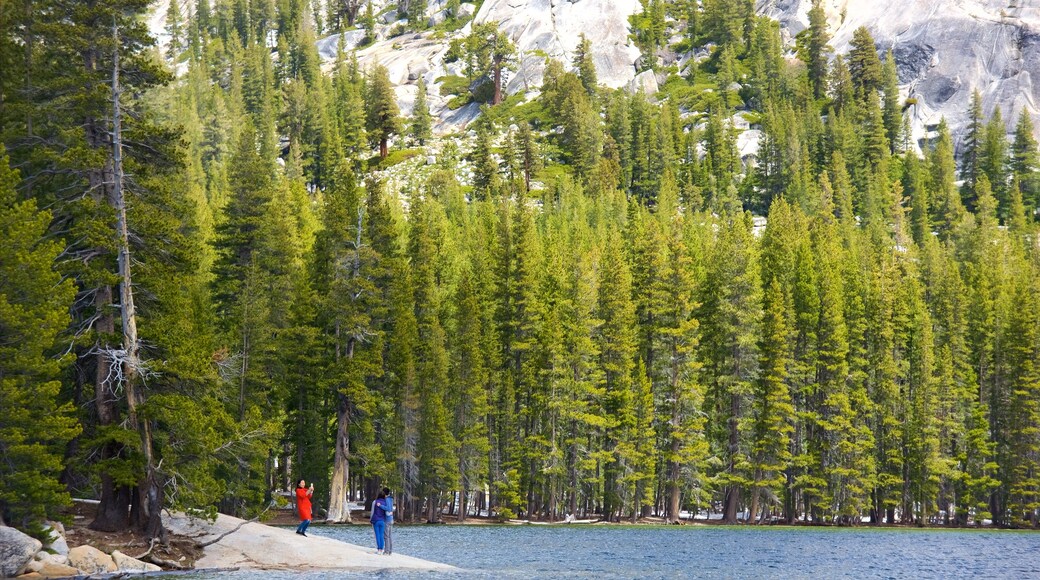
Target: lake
x,y
604,552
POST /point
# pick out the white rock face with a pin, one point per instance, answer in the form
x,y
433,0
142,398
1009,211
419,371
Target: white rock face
x,y
944,49
552,27
16,551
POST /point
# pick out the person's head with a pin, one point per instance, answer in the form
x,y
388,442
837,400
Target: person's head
x,y
381,496
301,483
386,491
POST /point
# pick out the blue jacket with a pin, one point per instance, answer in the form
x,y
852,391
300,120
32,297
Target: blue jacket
x,y
389,511
378,511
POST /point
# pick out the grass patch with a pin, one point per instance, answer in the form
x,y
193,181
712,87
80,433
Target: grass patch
x,y
393,158
453,85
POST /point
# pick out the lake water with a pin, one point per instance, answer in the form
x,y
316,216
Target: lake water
x,y
607,552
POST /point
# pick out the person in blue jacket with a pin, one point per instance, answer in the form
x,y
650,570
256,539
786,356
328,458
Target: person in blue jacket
x,y
388,535
379,520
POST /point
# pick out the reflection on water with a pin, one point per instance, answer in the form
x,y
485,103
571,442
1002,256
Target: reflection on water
x,y
604,552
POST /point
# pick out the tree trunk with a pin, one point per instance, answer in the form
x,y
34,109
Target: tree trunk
x,y
498,83
733,490
463,505
753,514
383,149
113,513
431,508
339,512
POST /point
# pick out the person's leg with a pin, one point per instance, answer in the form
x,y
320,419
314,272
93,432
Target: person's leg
x,y
303,527
379,530
388,538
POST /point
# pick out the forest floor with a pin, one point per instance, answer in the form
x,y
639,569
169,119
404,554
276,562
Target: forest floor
x,y
181,550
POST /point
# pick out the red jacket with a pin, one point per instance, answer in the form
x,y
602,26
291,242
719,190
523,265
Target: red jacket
x,y
303,503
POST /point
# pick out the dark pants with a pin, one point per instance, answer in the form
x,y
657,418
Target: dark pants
x,y
302,528
388,537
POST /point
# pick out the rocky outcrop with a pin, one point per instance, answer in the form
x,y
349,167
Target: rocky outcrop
x,y
16,551
552,28
944,50
132,565
91,560
235,543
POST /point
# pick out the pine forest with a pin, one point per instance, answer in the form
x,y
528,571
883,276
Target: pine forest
x,y
227,263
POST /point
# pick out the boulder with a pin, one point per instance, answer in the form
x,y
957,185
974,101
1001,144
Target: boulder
x,y
44,556
437,18
127,564
466,10
645,82
351,39
57,544
16,551
55,570
91,560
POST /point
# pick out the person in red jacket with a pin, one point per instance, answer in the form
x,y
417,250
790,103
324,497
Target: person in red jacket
x,y
303,505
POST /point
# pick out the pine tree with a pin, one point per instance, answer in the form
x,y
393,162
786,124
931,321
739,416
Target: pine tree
x,y
175,30
971,160
1023,364
420,128
34,303
730,315
893,105
816,49
772,411
616,342
470,395
486,179
585,65
864,64
488,52
1025,163
948,210
993,159
382,117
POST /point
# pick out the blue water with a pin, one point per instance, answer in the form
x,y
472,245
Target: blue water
x,y
607,552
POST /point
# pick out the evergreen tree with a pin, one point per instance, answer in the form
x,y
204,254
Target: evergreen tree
x,y
421,122
864,64
772,412
585,66
971,159
1024,160
893,104
382,117
816,49
730,315
34,303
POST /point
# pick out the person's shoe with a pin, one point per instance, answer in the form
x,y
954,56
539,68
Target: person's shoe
x,y
304,534
299,533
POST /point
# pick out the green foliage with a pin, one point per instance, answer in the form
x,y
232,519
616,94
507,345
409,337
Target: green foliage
x,y
34,302
591,324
